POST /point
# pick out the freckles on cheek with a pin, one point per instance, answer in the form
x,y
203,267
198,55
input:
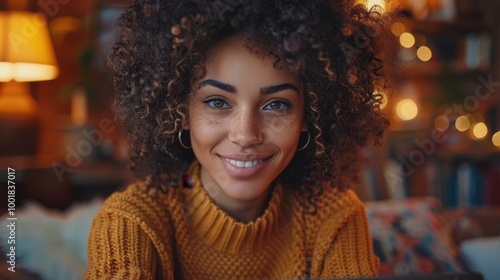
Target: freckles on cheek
x,y
213,123
204,126
281,124
198,115
202,121
284,131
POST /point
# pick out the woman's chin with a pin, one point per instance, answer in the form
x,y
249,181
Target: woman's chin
x,y
244,191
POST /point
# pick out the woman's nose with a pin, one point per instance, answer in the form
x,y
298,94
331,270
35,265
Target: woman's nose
x,y
246,129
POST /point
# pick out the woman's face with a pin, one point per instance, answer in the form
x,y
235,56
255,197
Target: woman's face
x,y
245,118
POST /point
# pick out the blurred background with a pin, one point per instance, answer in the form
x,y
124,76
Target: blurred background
x,y
444,139
57,129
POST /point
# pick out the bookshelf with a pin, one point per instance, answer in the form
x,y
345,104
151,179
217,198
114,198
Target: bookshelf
x,y
455,164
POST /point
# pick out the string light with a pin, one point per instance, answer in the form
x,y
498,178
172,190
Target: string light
x,y
407,109
398,28
407,40
424,53
480,130
496,139
462,123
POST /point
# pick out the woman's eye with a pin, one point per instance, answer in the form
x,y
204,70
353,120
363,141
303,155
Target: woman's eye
x,y
277,105
217,103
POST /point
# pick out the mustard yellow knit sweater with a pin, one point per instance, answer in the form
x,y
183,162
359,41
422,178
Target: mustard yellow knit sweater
x,y
184,235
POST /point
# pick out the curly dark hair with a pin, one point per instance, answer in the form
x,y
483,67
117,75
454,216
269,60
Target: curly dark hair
x,y
335,46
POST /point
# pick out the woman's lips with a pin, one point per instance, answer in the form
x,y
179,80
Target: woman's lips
x,y
241,168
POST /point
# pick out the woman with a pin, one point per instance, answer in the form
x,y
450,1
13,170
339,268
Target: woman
x,y
246,120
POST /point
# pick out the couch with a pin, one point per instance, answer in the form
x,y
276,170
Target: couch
x,y
414,236
417,236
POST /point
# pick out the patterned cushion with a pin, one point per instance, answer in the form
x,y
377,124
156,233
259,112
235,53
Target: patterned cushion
x,y
409,237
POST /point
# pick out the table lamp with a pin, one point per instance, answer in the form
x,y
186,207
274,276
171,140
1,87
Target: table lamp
x,y
26,55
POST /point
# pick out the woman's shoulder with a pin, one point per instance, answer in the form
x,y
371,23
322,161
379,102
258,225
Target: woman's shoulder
x,y
134,193
335,198
134,202
336,204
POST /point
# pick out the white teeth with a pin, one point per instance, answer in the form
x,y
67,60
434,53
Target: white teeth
x,y
244,164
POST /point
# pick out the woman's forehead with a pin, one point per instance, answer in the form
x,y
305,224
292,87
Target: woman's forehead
x,y
233,56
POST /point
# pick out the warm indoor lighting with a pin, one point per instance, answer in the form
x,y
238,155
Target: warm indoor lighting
x,y
372,3
496,139
462,123
480,130
398,28
16,100
79,107
406,109
61,26
442,123
65,24
26,55
383,99
424,53
26,52
407,40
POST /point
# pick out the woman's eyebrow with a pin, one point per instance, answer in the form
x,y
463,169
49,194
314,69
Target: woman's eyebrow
x,y
277,88
263,91
217,84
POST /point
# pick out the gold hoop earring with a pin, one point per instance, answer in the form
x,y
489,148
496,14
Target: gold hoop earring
x,y
306,144
179,135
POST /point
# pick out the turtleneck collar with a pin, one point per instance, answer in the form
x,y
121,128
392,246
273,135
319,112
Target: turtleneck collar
x,y
220,231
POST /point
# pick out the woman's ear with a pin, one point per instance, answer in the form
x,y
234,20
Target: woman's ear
x,y
185,123
304,126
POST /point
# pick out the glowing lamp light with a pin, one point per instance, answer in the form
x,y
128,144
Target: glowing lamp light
x,y
407,40
496,139
26,52
372,3
424,53
462,123
16,100
480,130
406,109
26,55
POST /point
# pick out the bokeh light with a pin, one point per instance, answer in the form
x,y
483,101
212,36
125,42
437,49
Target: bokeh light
x,y
480,130
407,109
398,28
462,123
442,123
407,40
424,53
496,139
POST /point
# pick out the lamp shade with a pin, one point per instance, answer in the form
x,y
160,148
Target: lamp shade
x,y
26,52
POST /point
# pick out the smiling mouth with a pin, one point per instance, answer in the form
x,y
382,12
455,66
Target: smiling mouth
x,y
243,164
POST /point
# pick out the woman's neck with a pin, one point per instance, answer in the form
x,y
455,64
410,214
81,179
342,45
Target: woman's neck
x,y
242,211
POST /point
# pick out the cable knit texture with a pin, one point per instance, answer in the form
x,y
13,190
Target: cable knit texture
x,y
184,235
